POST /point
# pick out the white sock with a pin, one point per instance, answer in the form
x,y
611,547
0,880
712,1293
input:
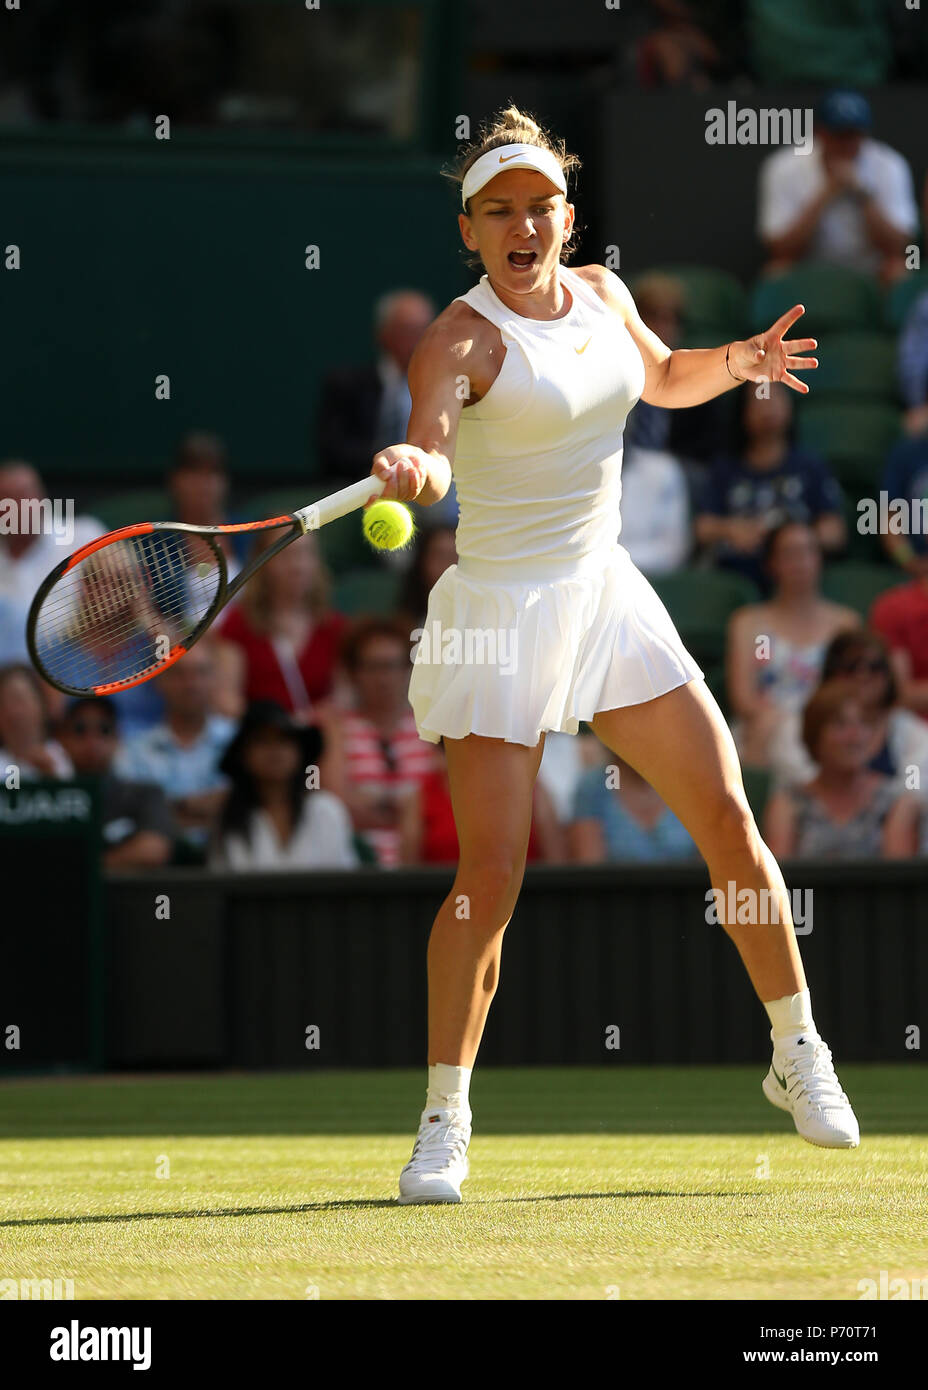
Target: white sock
x,y
790,1015
448,1087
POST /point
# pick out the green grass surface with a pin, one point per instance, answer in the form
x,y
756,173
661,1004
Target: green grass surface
x,y
641,1183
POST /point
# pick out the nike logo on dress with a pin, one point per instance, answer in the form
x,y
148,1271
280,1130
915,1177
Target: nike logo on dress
x,y
585,345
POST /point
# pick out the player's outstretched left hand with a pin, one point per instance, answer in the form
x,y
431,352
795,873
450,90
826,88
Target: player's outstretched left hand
x,y
771,356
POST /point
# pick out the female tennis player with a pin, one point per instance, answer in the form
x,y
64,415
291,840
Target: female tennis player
x,y
522,386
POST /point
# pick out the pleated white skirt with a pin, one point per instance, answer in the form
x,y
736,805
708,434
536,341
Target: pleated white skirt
x,y
512,649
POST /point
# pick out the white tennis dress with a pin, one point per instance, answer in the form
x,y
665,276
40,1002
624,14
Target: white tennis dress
x,y
544,620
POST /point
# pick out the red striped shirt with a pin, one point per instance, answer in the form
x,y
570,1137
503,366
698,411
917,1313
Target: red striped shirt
x,y
386,767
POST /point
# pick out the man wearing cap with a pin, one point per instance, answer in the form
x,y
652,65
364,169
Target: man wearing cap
x,y
850,202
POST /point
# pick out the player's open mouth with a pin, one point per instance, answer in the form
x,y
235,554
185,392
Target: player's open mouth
x,y
521,260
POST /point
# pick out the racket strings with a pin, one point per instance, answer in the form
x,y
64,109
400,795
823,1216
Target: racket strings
x,y
117,614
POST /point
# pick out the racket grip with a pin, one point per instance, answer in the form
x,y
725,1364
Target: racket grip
x,y
347,499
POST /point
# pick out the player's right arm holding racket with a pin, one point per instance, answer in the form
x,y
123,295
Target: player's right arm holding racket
x,y
126,606
448,368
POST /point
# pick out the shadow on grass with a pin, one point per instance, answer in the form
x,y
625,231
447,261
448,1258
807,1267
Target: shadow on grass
x,y
358,1204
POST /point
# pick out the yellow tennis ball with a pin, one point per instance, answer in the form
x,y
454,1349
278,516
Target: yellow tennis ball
x,y
388,525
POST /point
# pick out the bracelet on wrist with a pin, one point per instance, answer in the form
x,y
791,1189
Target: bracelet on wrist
x,y
728,365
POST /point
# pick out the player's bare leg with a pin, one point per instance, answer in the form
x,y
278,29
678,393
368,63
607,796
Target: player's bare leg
x,y
491,791
682,745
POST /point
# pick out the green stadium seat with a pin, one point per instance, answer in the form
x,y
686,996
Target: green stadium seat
x,y
138,504
341,542
836,299
710,337
855,433
367,591
758,784
861,548
858,474
858,365
716,305
717,683
701,601
279,500
900,297
823,45
857,585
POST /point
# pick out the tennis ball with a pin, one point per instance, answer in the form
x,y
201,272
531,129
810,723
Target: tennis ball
x,y
388,525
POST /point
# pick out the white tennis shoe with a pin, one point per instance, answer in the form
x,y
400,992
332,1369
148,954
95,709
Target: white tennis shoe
x,y
802,1081
438,1164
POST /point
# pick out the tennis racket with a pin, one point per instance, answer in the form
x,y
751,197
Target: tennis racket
x,y
126,606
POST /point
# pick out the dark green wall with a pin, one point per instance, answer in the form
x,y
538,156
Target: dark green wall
x,y
137,262
248,961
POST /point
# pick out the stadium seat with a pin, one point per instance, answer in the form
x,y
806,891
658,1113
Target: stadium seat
x,y
279,500
717,683
900,297
716,305
701,601
852,435
858,474
758,783
138,504
857,585
862,548
858,365
341,542
835,299
367,591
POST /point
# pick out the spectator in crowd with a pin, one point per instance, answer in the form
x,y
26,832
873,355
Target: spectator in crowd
x,y
181,755
24,739
28,553
564,760
849,202
655,492
619,817
769,480
138,831
29,550
198,485
903,620
679,51
363,409
384,757
913,368
900,616
695,435
842,812
272,819
900,739
906,834
905,479
286,633
655,511
776,649
428,834
434,550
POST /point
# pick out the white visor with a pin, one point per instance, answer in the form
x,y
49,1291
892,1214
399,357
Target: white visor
x,y
504,157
